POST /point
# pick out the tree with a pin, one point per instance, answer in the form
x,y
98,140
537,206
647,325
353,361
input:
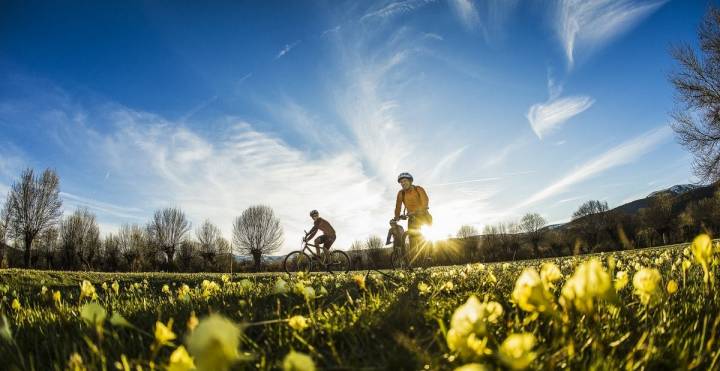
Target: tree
x,y
34,205
658,215
167,230
4,225
111,252
591,207
188,252
532,225
208,237
357,249
466,231
257,232
48,246
696,119
469,243
374,245
132,241
79,239
591,218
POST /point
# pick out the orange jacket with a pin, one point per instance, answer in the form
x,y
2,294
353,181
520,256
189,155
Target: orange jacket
x,y
415,199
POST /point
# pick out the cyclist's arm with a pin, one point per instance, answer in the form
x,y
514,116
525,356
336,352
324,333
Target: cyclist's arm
x,y
424,200
311,234
398,205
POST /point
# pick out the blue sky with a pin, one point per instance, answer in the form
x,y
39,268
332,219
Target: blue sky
x,y
498,108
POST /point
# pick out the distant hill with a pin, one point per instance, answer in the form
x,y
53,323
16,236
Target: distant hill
x,y
683,194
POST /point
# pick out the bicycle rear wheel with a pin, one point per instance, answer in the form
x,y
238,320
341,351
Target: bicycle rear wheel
x,y
338,261
398,258
297,261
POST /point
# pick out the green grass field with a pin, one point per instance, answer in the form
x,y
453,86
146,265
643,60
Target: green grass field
x,y
494,316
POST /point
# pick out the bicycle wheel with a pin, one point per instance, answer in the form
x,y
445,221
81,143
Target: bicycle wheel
x,y
339,261
297,261
398,258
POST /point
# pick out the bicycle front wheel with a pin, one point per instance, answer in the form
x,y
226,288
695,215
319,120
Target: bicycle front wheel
x,y
297,261
339,262
398,258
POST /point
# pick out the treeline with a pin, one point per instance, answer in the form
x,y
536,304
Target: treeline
x,y
666,219
34,233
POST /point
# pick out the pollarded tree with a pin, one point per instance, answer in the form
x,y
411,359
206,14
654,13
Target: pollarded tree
x,y
80,239
167,230
696,119
208,238
34,205
111,252
374,245
532,225
132,241
257,232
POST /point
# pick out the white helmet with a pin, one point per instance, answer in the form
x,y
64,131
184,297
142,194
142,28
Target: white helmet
x,y
405,176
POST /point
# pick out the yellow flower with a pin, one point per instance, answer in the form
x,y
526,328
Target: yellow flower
x,y
468,326
116,287
621,280
180,360
87,290
298,323
473,367
549,273
531,294
491,277
214,343
104,286
423,288
75,363
448,286
647,282
295,361
360,281
588,284
183,291
209,288
43,290
309,293
281,286
702,251
15,304
56,297
192,322
164,334
166,289
672,287
516,351
225,278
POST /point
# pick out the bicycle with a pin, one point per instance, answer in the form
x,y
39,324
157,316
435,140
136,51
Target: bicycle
x,y
400,259
300,261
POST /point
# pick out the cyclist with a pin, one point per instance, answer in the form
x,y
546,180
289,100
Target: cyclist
x,y
328,236
416,203
395,233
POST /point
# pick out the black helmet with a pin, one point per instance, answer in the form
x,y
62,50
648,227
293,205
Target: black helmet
x,y
314,213
406,176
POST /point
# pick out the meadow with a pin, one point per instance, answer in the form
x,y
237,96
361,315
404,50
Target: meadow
x,y
653,308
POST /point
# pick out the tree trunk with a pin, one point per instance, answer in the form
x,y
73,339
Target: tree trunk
x,y
256,258
28,245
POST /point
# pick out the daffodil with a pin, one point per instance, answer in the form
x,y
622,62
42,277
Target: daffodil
x,y
360,281
116,287
473,367
423,288
672,287
516,351
214,343
531,293
56,297
298,323
15,304
192,322
621,280
549,273
647,285
87,290
468,327
163,333
702,251
589,284
180,360
166,289
295,361
281,286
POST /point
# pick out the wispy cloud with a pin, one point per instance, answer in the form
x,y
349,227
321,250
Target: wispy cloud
x,y
287,48
592,23
616,156
72,201
545,117
467,13
395,8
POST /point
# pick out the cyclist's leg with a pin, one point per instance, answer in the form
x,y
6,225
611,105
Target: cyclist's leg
x,y
319,244
328,242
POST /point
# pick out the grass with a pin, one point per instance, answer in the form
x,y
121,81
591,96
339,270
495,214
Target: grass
x,y
379,321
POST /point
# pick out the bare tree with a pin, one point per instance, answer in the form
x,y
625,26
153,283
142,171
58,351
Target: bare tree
x,y
132,240
591,207
4,225
257,232
33,206
80,238
357,253
374,245
48,246
466,231
167,229
532,225
111,252
696,119
208,237
188,253
658,215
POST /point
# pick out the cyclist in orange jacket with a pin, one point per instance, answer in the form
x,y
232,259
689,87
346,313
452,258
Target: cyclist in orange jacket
x,y
328,236
416,203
